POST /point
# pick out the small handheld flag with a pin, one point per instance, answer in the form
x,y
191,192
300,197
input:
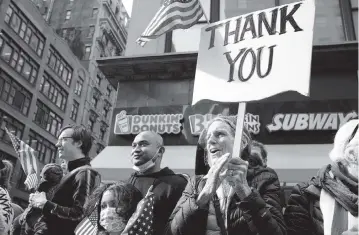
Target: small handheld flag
x,y
28,160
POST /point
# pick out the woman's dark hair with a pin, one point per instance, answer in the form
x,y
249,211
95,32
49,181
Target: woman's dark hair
x,y
126,195
5,174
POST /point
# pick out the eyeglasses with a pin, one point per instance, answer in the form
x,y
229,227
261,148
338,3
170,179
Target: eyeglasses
x,y
63,138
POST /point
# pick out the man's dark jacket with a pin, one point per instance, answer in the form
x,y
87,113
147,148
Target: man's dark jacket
x,y
168,189
259,213
66,209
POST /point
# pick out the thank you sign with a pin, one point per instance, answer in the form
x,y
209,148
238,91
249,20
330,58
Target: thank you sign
x,y
257,55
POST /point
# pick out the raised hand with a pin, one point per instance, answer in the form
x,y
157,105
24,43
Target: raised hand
x,y
237,176
215,176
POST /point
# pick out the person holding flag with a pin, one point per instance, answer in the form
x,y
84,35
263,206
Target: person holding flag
x,y
6,210
109,209
65,210
227,196
147,153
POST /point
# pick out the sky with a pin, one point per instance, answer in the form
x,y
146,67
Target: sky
x,y
128,6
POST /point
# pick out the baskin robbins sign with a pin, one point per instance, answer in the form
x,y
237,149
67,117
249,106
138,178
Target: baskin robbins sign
x,y
198,122
160,123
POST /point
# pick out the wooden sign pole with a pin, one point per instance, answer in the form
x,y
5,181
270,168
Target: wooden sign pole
x,y
239,129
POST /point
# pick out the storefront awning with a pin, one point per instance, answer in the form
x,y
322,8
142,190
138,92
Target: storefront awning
x,y
293,163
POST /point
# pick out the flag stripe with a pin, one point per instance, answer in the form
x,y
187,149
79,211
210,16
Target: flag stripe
x,y
31,181
176,23
88,226
185,17
28,159
172,15
173,8
166,18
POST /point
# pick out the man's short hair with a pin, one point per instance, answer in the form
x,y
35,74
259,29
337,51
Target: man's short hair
x,y
83,135
264,153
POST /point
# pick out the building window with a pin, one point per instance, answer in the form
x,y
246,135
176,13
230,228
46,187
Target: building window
x,y
103,130
98,80
53,91
94,12
106,109
96,94
23,27
87,52
47,119
46,150
64,33
354,5
59,65
92,120
14,94
18,59
78,87
91,31
108,91
74,110
68,15
94,101
99,148
13,125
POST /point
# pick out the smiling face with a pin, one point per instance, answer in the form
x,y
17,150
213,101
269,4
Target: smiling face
x,y
220,140
144,148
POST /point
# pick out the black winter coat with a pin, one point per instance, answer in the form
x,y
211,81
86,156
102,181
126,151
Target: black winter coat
x,y
303,214
259,213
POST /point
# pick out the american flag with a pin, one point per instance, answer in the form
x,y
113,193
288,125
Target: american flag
x,y
28,160
141,222
88,225
173,14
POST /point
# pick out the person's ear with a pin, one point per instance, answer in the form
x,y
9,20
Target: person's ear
x,y
161,150
78,143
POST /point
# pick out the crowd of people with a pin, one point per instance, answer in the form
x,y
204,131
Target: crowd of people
x,y
228,195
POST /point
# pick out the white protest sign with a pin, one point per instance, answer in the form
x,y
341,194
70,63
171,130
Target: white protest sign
x,y
255,56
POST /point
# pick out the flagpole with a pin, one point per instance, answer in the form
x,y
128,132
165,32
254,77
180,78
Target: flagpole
x,y
204,13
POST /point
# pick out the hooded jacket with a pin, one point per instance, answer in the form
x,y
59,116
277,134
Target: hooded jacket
x,y
168,188
259,213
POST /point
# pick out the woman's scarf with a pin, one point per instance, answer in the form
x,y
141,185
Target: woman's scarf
x,y
342,188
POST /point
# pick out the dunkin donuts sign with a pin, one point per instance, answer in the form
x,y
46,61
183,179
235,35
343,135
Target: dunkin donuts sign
x,y
160,123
